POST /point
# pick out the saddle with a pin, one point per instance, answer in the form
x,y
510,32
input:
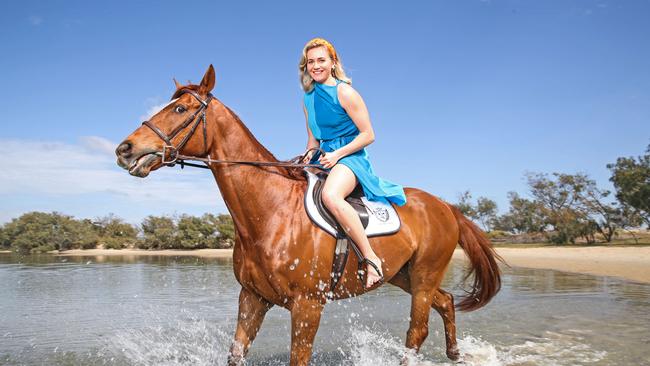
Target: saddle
x,y
377,218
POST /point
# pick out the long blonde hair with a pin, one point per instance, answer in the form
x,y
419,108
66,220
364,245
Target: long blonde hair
x,y
305,79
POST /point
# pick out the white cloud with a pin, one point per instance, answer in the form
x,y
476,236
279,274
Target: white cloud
x,y
99,144
151,111
60,169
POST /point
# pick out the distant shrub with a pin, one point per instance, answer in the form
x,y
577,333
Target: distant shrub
x,y
498,235
115,233
40,232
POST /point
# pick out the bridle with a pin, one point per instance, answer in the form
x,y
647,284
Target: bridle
x,y
193,121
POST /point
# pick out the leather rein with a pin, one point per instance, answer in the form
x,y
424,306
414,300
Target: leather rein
x,y
193,121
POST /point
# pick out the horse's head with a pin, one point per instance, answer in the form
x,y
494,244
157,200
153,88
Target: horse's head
x,y
176,129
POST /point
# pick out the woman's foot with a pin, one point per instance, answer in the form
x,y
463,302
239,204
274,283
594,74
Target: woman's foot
x,y
373,275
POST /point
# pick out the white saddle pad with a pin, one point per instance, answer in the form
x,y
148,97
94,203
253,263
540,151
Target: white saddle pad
x,y
382,217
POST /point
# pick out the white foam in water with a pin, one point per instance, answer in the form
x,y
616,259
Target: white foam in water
x,y
188,343
197,342
372,348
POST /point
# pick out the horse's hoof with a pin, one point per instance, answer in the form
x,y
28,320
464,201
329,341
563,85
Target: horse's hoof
x,y
235,360
453,354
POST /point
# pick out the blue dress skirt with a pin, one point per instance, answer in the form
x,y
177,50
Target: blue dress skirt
x,y
375,188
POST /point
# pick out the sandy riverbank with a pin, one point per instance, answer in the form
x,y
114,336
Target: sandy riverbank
x,y
632,263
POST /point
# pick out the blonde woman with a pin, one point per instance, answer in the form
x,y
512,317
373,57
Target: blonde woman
x,y
338,122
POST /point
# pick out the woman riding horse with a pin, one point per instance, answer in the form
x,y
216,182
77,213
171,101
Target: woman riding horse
x,y
280,257
338,123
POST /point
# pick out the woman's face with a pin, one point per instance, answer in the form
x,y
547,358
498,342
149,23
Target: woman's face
x,y
319,64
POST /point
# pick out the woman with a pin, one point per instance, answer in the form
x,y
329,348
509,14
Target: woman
x,y
338,122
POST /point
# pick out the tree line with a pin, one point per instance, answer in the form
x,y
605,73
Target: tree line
x,y
37,232
565,207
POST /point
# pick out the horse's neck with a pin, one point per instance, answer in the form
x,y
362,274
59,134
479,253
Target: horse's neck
x,y
251,193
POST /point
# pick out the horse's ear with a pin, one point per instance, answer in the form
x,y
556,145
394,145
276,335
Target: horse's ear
x,y
207,84
178,85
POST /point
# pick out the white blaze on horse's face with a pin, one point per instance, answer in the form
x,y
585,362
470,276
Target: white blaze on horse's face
x,y
319,64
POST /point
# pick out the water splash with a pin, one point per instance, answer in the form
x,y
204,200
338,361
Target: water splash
x,y
193,342
376,348
197,342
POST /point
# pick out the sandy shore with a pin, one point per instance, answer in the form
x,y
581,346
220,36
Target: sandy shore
x,y
632,263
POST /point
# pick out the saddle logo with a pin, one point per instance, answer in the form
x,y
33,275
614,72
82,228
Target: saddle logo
x,y
381,214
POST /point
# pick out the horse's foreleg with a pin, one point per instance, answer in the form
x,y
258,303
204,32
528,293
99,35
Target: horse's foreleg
x,y
443,302
305,319
252,309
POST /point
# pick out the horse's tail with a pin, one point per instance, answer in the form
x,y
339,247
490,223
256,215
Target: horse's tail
x,y
483,259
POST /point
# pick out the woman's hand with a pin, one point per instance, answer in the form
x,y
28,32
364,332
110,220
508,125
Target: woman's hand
x,y
330,159
308,157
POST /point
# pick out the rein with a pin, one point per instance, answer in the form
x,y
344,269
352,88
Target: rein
x,y
198,117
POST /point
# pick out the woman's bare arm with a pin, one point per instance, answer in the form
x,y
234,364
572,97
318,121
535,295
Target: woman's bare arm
x,y
311,140
354,105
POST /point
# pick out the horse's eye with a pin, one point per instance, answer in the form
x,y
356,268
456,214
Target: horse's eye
x,y
180,109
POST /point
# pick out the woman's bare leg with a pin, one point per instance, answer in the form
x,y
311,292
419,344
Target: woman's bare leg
x,y
339,184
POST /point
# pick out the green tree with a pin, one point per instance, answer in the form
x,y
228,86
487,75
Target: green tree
x,y
631,178
115,233
559,199
197,232
604,215
160,232
465,205
524,216
486,210
225,229
40,232
5,244
627,218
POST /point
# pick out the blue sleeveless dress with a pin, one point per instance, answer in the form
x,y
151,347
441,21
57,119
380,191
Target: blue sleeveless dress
x,y
333,127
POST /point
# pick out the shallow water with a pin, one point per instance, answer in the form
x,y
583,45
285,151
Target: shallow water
x,y
182,311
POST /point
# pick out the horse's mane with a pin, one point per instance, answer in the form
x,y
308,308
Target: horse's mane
x,y
291,173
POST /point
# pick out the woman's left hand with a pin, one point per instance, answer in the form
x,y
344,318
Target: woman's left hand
x,y
329,159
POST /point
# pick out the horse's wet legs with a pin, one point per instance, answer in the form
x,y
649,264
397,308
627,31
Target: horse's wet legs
x,y
305,319
443,302
252,309
421,300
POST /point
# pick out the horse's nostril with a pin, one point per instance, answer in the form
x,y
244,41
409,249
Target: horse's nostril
x,y
124,150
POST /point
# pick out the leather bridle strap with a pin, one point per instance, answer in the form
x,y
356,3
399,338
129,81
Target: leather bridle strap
x,y
197,117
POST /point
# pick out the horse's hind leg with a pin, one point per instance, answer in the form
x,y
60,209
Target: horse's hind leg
x,y
252,309
443,302
422,297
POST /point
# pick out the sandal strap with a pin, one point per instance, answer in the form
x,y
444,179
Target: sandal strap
x,y
377,269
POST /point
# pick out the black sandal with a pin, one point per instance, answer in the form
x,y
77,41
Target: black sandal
x,y
361,271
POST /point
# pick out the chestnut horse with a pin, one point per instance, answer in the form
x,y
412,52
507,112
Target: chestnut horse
x,y
277,244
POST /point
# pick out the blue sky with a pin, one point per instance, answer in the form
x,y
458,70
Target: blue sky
x,y
463,95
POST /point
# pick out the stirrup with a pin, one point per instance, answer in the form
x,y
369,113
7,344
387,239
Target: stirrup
x,y
361,270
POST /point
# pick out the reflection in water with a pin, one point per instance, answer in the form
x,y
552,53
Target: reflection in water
x,y
112,310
